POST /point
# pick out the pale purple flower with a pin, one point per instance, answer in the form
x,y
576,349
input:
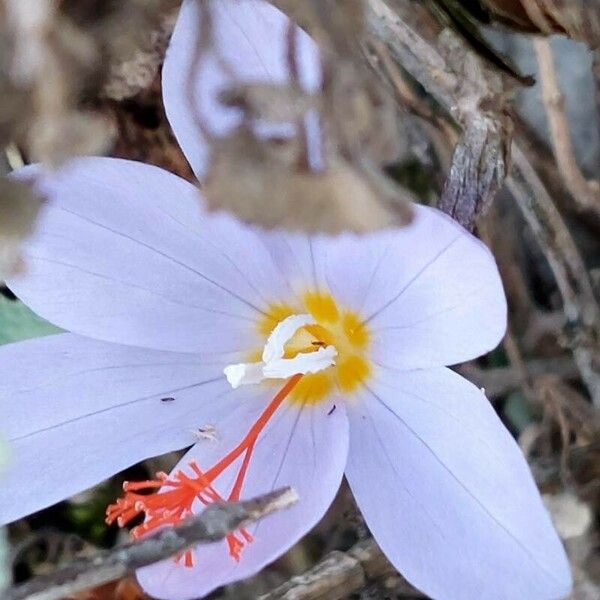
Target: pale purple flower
x,y
163,298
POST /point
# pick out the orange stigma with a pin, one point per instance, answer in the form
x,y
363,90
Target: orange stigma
x,y
177,494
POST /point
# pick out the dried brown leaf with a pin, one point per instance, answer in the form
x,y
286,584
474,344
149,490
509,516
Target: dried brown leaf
x,y
50,61
57,57
18,211
362,116
257,182
269,102
328,178
359,114
134,68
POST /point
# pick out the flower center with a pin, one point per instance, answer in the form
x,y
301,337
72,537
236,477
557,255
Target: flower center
x,y
291,349
331,326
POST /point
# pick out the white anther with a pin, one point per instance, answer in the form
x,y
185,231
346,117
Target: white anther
x,y
311,362
244,373
282,334
274,365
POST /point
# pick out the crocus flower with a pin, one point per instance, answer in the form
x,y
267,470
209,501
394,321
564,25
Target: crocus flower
x,y
280,359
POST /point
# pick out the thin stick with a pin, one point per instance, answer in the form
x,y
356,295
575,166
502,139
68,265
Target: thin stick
x,y
579,303
585,193
341,574
211,525
500,381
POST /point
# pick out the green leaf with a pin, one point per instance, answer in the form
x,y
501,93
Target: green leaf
x,y
17,322
517,411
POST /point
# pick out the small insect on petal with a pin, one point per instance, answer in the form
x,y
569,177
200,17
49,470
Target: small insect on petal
x,y
206,432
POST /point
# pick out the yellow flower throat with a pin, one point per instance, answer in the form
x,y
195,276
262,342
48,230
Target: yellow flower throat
x,y
335,327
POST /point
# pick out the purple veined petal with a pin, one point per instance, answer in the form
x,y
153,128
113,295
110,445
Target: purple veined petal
x,y
300,259
430,293
448,494
124,252
75,411
305,448
249,47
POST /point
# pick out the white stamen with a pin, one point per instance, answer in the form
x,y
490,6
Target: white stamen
x,y
244,373
282,334
311,362
273,365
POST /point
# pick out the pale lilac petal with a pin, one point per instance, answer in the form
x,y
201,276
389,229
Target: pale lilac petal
x,y
304,448
250,47
75,411
301,259
447,493
430,292
124,252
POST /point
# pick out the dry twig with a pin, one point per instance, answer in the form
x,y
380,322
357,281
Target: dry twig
x,y
500,381
579,303
585,193
211,525
340,574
